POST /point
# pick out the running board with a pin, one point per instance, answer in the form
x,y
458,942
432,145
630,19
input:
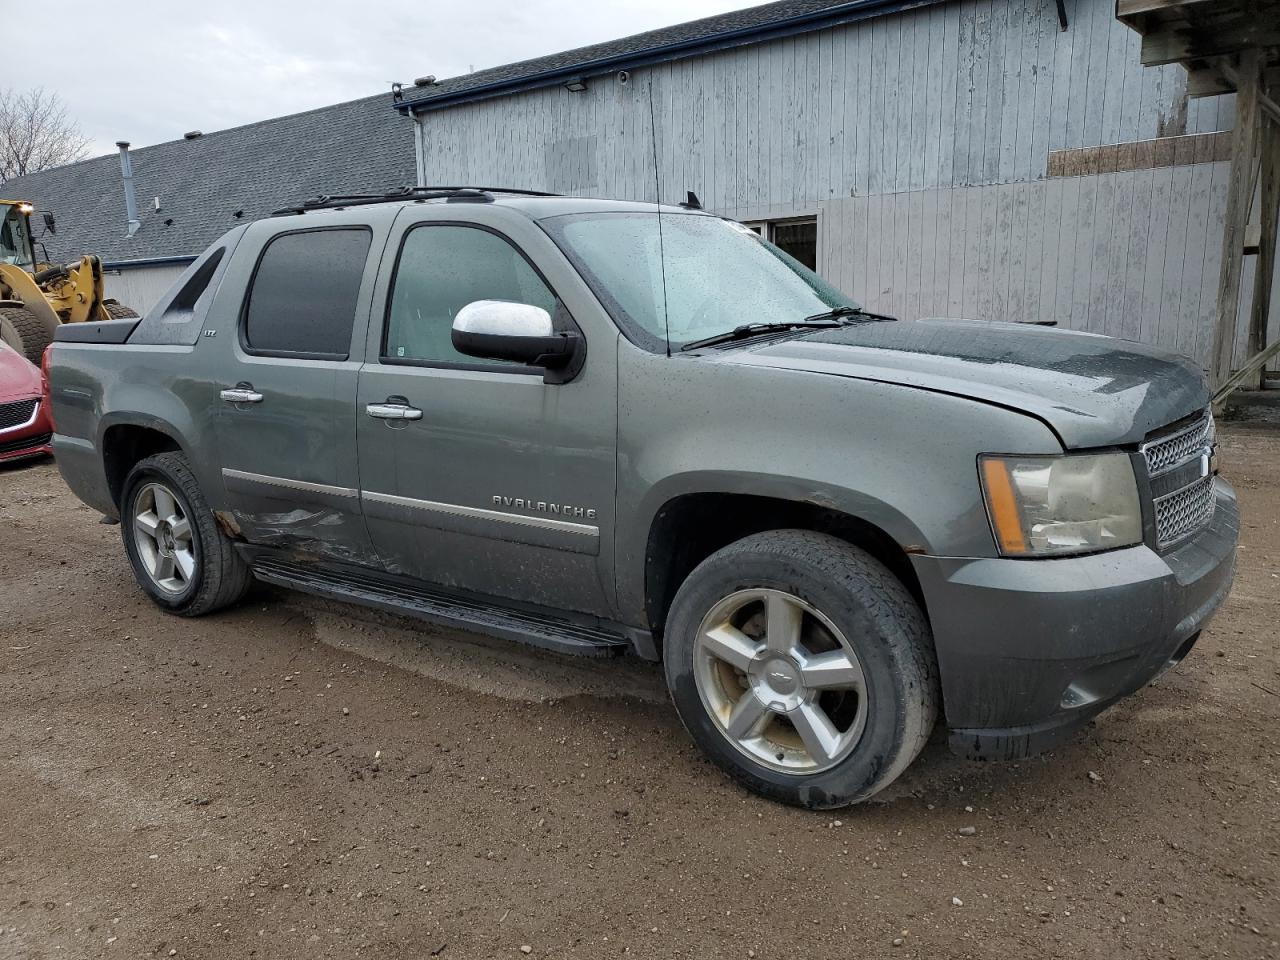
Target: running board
x,y
373,590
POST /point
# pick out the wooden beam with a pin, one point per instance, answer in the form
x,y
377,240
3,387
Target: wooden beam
x,y
1244,145
1264,267
1132,8
1207,82
1176,42
1266,81
1217,76
1252,366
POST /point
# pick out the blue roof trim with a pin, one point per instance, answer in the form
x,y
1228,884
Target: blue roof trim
x,y
773,30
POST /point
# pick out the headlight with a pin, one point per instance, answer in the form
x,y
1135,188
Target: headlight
x,y
1047,506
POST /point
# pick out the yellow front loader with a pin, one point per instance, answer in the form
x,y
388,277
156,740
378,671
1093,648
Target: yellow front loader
x,y
36,297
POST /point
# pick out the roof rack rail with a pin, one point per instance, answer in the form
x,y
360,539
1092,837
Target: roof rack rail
x,y
457,193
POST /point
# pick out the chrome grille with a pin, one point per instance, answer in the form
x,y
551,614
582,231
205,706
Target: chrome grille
x,y
1184,511
17,414
1179,465
1165,453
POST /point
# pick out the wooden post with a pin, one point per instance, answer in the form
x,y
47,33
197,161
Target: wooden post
x,y
1269,171
1244,141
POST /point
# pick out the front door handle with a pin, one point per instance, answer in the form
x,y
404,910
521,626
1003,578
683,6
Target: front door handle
x,y
241,393
393,408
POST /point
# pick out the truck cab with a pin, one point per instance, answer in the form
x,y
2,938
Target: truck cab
x,y
605,427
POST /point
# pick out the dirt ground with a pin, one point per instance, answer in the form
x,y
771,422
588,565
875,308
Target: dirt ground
x,y
301,779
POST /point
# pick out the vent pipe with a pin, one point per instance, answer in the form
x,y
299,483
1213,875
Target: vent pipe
x,y
130,198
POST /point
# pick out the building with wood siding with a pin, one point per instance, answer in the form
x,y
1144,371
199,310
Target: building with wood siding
x,y
190,191
1002,159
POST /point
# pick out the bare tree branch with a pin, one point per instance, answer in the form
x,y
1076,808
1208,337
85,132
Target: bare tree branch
x,y
36,133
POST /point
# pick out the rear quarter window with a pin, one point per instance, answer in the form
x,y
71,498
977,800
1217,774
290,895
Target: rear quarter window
x,y
178,317
302,298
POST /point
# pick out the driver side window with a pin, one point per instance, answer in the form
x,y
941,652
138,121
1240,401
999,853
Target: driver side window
x,y
441,269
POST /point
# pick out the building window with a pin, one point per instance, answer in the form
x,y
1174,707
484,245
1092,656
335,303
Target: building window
x,y
799,238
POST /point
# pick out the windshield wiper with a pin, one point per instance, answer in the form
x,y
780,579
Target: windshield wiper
x,y
820,322
856,314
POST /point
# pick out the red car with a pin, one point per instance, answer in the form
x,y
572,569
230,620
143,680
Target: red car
x,y
26,428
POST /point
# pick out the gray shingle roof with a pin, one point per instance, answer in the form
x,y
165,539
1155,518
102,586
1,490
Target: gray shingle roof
x,y
682,39
356,147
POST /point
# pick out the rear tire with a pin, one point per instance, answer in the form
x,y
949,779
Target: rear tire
x,y
179,554
117,310
25,332
802,667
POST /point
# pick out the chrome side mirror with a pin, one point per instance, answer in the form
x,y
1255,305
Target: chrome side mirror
x,y
502,330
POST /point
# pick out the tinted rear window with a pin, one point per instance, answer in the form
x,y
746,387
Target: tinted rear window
x,y
303,298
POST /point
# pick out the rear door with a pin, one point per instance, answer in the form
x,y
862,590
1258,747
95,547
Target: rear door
x,y
497,483
290,355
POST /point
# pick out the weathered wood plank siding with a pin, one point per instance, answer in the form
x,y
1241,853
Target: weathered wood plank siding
x,y
922,140
952,95
1132,254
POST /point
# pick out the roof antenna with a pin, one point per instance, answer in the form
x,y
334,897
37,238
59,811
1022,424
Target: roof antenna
x,y
657,185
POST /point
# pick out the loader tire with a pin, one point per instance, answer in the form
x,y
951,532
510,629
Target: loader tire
x,y
118,311
25,332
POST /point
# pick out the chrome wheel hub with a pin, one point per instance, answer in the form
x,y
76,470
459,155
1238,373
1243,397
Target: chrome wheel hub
x,y
776,681
162,534
781,682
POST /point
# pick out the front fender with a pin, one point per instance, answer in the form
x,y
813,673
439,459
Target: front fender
x,y
636,526
901,459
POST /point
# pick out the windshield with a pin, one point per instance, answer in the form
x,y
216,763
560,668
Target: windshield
x,y
719,275
15,239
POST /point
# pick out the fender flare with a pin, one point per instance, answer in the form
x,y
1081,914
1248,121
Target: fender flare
x,y
631,565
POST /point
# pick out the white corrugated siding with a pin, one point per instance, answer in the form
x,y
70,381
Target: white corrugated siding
x,y
141,287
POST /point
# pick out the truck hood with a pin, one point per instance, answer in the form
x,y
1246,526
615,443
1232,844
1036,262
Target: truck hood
x,y
19,379
1091,390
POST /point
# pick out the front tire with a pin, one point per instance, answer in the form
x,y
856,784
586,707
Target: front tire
x,y
179,555
803,667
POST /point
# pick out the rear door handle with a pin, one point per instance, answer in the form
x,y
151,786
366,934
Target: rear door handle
x,y
241,393
393,408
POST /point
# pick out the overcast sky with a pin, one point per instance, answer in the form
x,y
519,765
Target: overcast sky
x,y
150,70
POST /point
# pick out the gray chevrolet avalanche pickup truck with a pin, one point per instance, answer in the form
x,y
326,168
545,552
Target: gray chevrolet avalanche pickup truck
x,y
604,427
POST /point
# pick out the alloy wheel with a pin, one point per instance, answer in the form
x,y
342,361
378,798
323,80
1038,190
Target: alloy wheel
x,y
162,532
781,682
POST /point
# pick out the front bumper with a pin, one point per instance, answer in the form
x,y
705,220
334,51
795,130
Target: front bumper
x,y
29,440
1030,650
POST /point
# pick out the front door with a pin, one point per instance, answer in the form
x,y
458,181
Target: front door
x,y
287,385
477,475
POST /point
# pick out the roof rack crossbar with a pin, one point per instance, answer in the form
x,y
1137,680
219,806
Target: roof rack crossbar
x,y
330,201
512,190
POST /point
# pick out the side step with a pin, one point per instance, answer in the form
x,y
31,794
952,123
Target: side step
x,y
394,596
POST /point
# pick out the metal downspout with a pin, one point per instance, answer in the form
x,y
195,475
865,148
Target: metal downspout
x,y
419,131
